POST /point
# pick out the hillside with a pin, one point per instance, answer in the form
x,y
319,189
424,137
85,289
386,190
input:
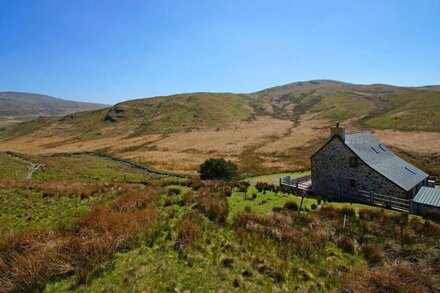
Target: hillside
x,y
275,129
17,107
379,106
84,223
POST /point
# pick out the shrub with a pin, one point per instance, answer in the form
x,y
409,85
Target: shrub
x,y
168,201
243,186
261,186
333,212
346,243
329,211
373,252
214,206
187,232
195,183
218,168
370,214
348,211
173,191
291,205
135,199
188,198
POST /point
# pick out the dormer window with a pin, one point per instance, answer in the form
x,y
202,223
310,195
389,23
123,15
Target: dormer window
x,y
354,162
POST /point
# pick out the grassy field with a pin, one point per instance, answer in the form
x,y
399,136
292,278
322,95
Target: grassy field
x,y
85,167
263,203
11,167
80,225
22,209
275,178
341,108
411,111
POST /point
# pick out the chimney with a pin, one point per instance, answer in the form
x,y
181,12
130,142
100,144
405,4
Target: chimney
x,y
338,131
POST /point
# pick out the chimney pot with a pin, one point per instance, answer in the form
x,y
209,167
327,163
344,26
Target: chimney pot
x,y
337,131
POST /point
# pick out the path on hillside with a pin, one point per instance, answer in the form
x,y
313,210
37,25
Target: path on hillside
x,y
32,167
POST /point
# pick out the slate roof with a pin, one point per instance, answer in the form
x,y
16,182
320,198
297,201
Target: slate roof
x,y
384,161
428,196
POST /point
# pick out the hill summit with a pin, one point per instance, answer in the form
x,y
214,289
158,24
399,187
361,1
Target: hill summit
x,y
274,129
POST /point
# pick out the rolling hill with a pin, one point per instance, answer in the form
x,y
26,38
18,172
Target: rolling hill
x,y
18,107
275,129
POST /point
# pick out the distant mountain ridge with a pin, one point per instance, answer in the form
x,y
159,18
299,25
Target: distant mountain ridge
x,y
378,106
272,130
19,106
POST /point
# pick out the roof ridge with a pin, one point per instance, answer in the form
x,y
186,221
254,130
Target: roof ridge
x,y
386,163
357,132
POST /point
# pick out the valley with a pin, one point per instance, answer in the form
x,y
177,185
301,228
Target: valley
x,y
273,130
110,199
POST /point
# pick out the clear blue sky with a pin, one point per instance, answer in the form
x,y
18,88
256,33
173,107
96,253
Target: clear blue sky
x,y
109,51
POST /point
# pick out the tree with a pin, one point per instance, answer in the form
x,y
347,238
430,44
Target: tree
x,y
217,168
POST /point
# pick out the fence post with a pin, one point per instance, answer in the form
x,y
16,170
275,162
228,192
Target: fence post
x,y
371,197
301,204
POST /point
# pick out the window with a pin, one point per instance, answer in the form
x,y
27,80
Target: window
x,y
411,170
374,149
352,183
354,162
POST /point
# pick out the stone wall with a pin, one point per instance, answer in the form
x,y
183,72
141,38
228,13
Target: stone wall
x,y
333,176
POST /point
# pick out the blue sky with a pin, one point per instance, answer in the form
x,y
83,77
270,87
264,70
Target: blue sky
x,y
109,51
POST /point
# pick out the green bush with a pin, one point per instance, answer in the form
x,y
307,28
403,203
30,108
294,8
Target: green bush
x,y
218,169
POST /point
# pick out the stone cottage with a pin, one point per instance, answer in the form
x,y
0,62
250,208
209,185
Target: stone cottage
x,y
357,167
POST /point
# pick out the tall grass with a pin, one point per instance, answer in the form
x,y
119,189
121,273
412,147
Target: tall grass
x,y
303,234
59,187
188,231
393,276
30,259
210,200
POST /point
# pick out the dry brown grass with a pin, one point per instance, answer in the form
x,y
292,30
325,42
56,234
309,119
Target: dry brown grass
x,y
309,129
30,259
274,141
188,231
303,234
136,199
59,187
411,141
395,276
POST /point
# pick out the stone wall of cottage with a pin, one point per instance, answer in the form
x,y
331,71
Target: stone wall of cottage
x,y
333,176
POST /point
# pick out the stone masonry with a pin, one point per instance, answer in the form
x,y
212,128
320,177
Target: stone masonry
x,y
338,172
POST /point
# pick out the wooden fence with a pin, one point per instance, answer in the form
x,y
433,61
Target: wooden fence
x,y
296,185
392,202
